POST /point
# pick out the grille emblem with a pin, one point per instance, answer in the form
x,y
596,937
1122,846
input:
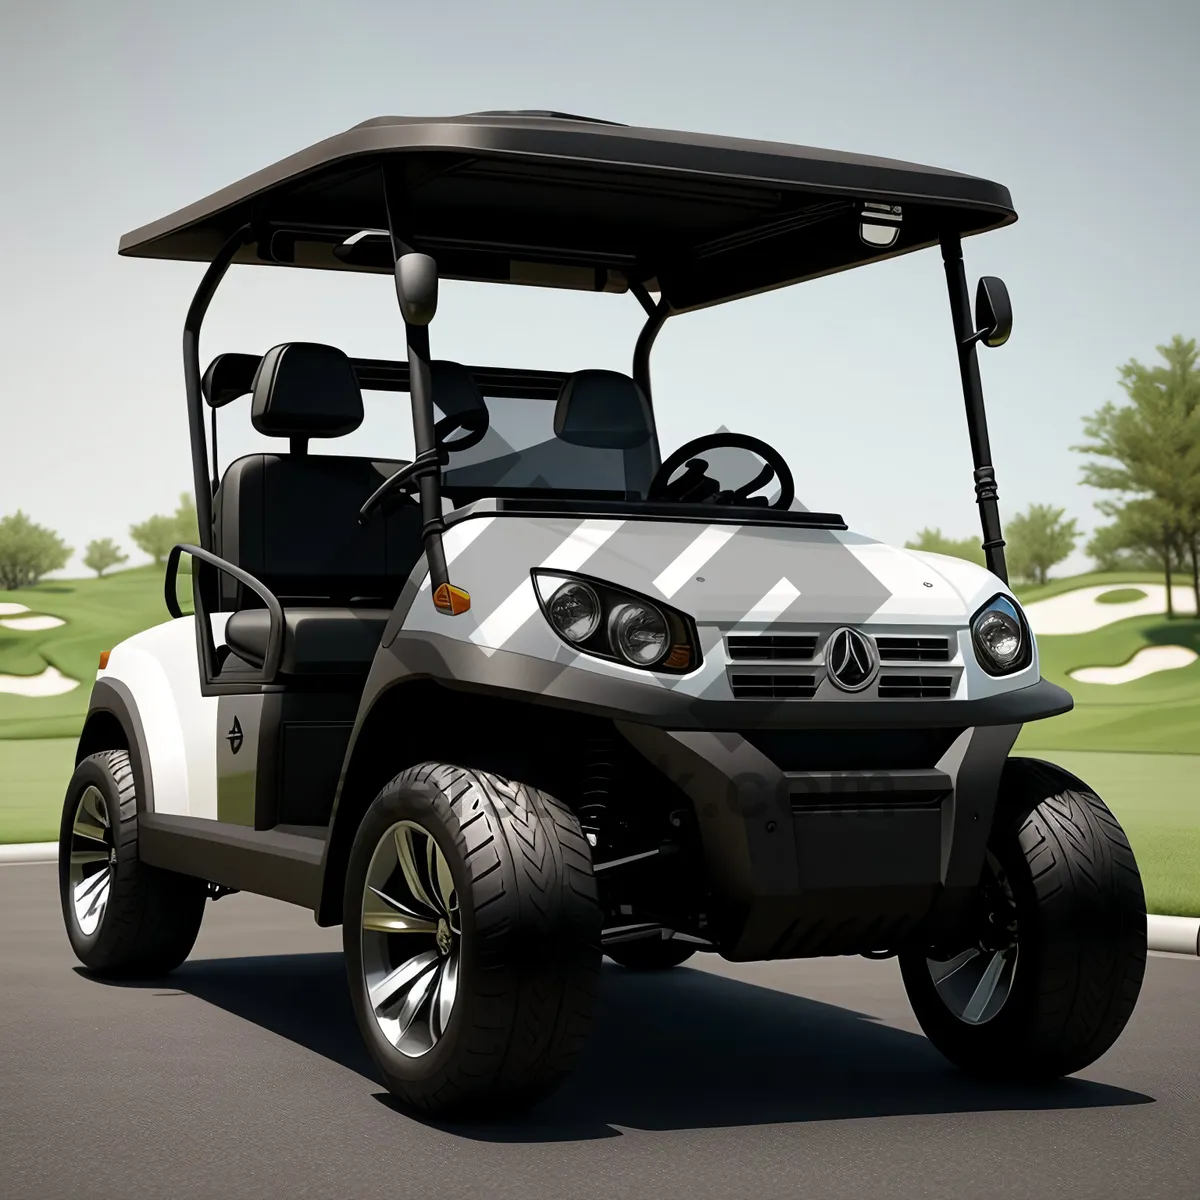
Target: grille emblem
x,y
850,659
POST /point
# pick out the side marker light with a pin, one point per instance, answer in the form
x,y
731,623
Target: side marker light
x,y
451,600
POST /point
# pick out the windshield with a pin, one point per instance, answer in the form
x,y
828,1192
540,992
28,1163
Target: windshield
x,y
520,451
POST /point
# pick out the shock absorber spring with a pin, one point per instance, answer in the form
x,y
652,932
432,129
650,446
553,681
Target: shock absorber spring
x,y
596,789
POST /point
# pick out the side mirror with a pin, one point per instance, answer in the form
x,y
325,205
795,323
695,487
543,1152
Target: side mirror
x,y
417,288
993,312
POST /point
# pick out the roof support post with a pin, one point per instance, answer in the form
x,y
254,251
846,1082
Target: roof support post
x,y
645,343
986,495
203,485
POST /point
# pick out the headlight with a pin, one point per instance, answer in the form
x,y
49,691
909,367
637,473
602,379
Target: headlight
x,y
1002,643
574,610
609,622
638,633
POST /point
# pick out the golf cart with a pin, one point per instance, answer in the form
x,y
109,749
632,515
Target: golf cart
x,y
542,694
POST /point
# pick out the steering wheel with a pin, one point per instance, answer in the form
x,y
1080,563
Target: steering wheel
x,y
474,425
696,487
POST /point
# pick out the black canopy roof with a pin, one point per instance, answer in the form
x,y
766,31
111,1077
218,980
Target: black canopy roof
x,y
558,200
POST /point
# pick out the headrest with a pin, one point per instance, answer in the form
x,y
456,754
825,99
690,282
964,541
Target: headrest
x,y
228,377
455,391
603,409
303,389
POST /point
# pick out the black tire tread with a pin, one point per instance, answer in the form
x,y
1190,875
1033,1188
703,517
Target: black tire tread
x,y
153,916
536,939
1082,935
1087,880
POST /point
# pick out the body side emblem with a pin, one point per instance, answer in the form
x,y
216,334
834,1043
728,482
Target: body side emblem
x,y
234,736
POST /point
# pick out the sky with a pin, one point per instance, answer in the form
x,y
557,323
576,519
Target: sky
x,y
118,114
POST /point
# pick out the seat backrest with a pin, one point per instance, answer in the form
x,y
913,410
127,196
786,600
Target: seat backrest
x,y
608,411
291,519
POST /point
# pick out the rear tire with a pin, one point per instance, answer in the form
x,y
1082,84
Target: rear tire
x,y
123,917
650,954
1066,986
472,937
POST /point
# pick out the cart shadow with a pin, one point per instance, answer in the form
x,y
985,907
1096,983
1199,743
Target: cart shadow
x,y
684,1049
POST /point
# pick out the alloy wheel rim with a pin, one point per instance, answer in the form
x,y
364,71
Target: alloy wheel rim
x,y
976,983
411,939
92,858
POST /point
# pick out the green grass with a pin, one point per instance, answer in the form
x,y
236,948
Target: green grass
x,y
1158,713
1121,596
33,781
1028,593
1156,797
98,613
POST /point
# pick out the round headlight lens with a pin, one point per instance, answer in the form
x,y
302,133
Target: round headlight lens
x,y
575,611
638,633
998,636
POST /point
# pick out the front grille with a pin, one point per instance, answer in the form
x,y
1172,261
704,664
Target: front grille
x,y
913,649
915,687
773,687
771,647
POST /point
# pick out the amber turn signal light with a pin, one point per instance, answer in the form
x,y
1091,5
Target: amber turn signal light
x,y
680,656
451,600
104,658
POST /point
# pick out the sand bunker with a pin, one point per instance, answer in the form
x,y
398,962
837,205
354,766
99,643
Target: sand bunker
x,y
49,683
1080,612
32,623
1147,661
7,610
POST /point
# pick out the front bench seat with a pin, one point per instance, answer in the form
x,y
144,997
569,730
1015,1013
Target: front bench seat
x,y
291,520
317,641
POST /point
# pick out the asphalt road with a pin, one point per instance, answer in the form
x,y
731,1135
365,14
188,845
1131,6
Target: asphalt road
x,y
242,1075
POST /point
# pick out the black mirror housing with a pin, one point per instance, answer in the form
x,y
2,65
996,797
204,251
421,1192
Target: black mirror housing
x,y
993,311
417,288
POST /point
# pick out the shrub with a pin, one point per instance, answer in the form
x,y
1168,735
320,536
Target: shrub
x,y
28,551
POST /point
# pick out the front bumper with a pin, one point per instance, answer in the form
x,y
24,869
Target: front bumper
x,y
836,860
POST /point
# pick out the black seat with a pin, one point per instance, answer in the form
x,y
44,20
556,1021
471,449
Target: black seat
x,y
317,641
291,520
605,410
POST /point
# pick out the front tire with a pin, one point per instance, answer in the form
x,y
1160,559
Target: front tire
x,y
1052,975
472,937
123,917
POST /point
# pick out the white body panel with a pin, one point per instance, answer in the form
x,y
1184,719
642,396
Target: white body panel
x,y
159,668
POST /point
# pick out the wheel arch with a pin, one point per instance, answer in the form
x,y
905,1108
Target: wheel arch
x,y
113,723
423,720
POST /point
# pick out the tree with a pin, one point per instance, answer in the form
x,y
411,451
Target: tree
x,y
157,534
187,527
154,536
936,542
1152,444
28,551
1037,540
102,554
1143,536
